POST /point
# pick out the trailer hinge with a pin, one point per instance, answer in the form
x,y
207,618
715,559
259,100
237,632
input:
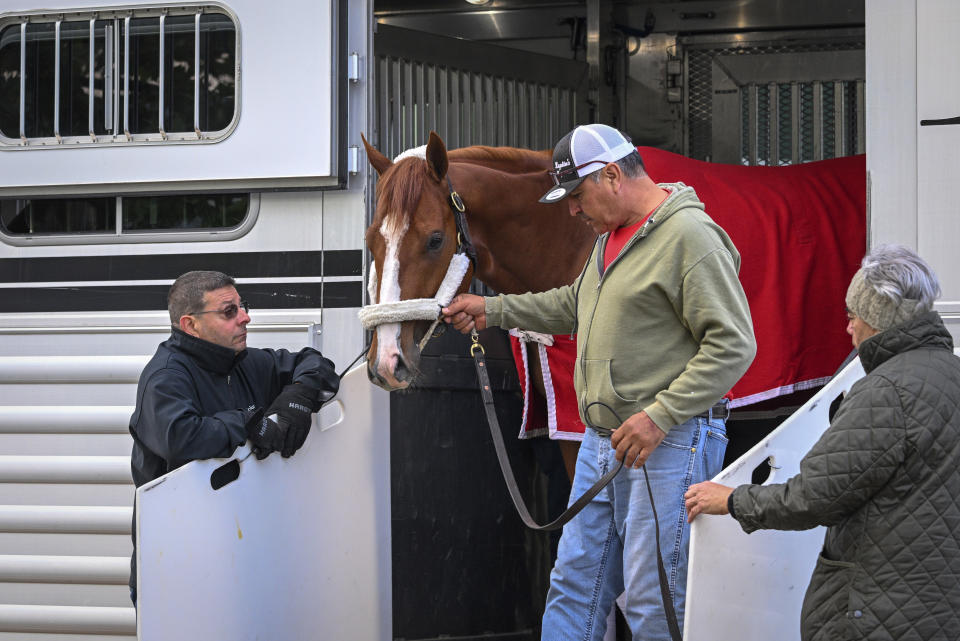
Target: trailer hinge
x,y
353,67
353,159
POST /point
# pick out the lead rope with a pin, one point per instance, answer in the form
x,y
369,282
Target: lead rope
x,y
480,361
353,362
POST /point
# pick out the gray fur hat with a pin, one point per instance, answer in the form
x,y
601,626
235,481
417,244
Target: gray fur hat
x,y
877,309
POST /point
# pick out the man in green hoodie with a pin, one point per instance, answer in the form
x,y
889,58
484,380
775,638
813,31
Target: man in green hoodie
x,y
663,333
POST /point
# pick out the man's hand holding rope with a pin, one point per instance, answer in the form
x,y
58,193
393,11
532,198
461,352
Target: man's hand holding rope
x,y
466,312
636,439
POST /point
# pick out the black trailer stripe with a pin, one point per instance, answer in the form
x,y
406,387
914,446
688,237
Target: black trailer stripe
x,y
343,262
154,297
936,122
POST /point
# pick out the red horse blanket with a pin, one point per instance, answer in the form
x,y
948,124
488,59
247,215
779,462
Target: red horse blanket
x,y
801,232
556,415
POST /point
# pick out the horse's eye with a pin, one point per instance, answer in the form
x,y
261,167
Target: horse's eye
x,y
435,241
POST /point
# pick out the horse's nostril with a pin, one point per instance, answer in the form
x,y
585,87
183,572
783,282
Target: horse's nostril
x,y
402,372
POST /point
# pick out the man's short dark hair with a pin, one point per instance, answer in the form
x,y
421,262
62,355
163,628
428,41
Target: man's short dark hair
x,y
631,165
186,293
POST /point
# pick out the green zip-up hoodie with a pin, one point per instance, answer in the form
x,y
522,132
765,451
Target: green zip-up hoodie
x,y
665,329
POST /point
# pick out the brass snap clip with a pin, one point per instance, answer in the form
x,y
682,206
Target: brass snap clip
x,y
476,343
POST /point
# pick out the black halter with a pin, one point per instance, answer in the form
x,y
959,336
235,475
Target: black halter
x,y
464,244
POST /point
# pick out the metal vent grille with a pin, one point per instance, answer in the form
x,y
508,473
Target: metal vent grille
x,y
806,123
470,94
785,120
790,125
852,114
466,108
763,120
829,121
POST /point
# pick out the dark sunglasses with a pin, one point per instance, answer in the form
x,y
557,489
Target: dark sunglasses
x,y
570,173
229,312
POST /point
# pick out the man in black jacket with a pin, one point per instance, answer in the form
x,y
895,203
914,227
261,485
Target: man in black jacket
x,y
204,392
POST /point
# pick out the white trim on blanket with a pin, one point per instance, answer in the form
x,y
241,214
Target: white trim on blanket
x,y
551,430
548,390
779,391
526,395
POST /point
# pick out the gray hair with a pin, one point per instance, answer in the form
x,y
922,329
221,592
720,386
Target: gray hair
x,y
186,293
897,273
631,165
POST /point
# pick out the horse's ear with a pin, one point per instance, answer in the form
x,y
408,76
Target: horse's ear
x,y
436,156
380,162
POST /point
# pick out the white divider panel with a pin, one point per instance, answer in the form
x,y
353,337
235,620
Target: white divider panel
x,y
294,548
750,587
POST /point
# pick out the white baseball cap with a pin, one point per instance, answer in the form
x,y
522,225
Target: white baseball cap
x,y
582,152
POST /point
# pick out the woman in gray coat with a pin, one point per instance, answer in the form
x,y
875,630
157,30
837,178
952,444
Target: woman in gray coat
x,y
885,476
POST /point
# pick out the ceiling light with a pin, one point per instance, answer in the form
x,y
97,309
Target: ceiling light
x,y
478,1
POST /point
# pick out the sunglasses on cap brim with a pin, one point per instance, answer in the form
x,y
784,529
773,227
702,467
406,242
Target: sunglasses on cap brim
x,y
567,174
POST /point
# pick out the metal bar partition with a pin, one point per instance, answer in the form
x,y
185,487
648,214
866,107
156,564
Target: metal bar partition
x,y
56,81
91,69
23,82
126,77
162,68
472,93
196,73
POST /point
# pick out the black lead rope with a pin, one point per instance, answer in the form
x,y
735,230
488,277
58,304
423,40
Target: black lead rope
x,y
480,361
353,362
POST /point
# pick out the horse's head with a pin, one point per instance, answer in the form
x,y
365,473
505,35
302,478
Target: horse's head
x,y
413,238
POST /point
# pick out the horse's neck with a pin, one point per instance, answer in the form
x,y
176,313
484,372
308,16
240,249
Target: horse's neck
x,y
522,245
509,159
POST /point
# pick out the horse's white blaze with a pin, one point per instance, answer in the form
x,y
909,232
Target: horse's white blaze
x,y
388,334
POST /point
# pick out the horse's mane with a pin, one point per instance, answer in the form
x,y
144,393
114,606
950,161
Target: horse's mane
x,y
403,183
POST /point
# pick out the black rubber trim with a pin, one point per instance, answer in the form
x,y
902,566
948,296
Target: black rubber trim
x,y
154,297
344,262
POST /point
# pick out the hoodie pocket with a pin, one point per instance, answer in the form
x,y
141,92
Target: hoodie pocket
x,y
599,387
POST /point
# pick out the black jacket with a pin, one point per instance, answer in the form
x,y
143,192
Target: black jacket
x,y
885,480
194,398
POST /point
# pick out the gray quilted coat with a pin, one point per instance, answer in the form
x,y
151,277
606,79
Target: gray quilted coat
x,y
885,479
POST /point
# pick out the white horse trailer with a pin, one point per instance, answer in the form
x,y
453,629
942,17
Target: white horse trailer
x,y
139,141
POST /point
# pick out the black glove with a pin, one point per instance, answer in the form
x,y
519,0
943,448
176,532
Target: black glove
x,y
293,407
265,435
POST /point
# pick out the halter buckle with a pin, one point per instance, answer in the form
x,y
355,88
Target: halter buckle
x,y
457,202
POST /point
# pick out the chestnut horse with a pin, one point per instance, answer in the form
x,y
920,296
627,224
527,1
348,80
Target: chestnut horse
x,y
800,230
521,244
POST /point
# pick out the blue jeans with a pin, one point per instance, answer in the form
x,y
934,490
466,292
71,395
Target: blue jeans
x,y
610,546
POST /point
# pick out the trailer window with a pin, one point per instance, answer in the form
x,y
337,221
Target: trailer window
x,y
123,217
183,212
55,216
142,75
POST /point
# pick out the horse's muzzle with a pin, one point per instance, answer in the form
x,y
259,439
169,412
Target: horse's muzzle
x,y
398,379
